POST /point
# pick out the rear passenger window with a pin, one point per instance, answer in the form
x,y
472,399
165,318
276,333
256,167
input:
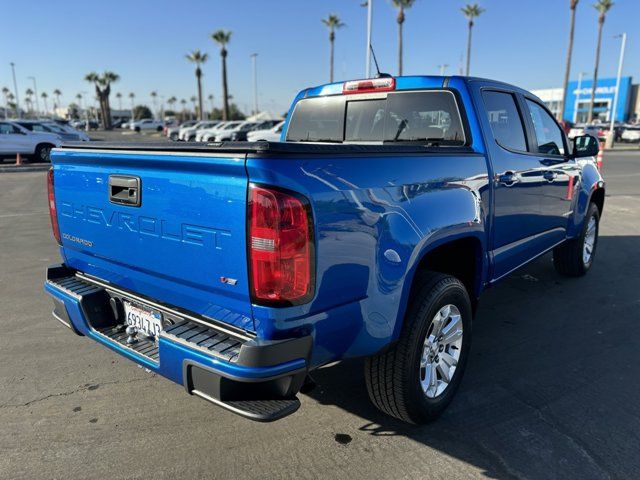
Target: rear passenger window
x,y
548,133
505,120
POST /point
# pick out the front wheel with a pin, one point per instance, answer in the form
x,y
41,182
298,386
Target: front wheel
x,y
574,257
417,378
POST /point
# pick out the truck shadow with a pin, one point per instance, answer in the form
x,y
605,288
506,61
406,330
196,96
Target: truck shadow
x,y
551,388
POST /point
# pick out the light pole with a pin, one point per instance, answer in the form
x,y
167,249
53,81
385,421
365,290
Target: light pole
x,y
35,89
442,68
15,88
369,21
254,59
611,136
577,106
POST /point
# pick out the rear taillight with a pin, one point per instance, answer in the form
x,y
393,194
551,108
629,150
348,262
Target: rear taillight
x,y
383,84
280,247
53,212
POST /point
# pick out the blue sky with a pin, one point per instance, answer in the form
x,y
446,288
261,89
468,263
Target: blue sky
x,y
517,41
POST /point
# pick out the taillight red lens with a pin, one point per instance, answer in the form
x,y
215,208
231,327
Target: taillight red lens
x,y
53,212
280,247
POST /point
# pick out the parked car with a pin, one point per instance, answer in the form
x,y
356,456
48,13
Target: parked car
x,y
188,134
173,132
239,134
211,134
372,232
65,133
82,124
146,124
16,139
584,129
631,133
271,134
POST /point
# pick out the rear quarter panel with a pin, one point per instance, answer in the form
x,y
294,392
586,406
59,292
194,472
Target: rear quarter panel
x,y
375,218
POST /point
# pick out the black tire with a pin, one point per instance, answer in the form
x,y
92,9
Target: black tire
x,y
568,257
43,153
159,129
393,377
137,129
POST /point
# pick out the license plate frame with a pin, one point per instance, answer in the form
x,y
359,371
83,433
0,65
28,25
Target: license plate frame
x,y
147,320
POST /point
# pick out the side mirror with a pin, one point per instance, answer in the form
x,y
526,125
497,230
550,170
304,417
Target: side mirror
x,y
585,146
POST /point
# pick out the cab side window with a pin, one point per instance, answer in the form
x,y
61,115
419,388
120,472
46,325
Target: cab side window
x,y
505,120
548,133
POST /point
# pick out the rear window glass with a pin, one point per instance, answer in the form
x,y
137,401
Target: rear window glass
x,y
426,116
317,119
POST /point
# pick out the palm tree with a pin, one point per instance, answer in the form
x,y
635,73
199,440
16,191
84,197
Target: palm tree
x,y
154,96
28,94
102,84
602,6
183,102
5,93
332,22
401,5
222,38
119,97
210,97
471,12
132,96
57,93
198,58
44,97
172,101
567,69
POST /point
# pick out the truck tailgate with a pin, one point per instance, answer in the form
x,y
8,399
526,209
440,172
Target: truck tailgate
x,y
179,237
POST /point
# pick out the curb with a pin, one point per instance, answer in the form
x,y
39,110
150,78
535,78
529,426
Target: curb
x,y
25,168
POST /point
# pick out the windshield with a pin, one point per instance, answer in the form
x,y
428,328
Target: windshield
x,y
430,117
231,125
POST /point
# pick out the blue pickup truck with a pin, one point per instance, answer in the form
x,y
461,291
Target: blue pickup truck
x,y
236,269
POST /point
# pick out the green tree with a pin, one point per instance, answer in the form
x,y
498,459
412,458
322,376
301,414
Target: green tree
x,y
57,93
102,85
119,97
471,12
142,111
602,6
401,5
28,100
573,4
132,97
44,97
198,58
332,22
172,101
222,38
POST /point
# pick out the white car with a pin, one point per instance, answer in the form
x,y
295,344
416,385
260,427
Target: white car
x,y
211,134
270,134
579,130
631,134
189,134
16,139
146,124
173,131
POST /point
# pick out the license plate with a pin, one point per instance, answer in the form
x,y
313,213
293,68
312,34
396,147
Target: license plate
x,y
147,321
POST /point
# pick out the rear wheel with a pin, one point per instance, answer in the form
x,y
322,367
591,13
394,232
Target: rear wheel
x,y
417,378
575,257
43,152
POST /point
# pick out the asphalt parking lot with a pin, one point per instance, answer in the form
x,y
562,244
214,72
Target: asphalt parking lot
x,y
552,389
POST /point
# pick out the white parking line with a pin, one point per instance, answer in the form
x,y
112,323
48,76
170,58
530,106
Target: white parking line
x,y
23,214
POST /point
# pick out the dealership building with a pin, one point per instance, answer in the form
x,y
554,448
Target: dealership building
x,y
579,97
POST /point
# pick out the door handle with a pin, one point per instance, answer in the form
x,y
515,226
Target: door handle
x,y
508,178
549,176
124,190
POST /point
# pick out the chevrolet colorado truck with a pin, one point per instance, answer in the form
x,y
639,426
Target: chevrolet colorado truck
x,y
236,269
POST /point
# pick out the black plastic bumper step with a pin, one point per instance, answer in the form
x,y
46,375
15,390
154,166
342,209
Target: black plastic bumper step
x,y
258,410
209,339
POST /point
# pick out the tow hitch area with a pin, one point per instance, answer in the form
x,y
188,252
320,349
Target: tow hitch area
x,y
257,379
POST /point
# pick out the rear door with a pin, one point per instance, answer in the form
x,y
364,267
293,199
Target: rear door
x,y
169,226
560,174
517,230
13,140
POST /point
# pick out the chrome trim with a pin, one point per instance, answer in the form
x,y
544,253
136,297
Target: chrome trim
x,y
163,308
57,317
111,341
